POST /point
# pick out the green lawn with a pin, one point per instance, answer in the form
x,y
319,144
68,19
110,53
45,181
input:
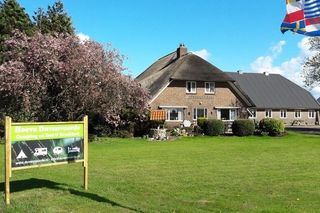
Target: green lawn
x,y
196,174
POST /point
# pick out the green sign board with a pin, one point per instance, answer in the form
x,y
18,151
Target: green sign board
x,y
46,131
30,145
46,143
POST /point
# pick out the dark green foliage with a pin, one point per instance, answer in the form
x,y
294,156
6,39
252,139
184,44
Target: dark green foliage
x,y
122,134
271,126
243,127
201,122
213,127
142,128
12,17
197,130
54,20
98,126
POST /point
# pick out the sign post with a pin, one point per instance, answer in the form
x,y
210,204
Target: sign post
x,y
85,157
7,159
39,144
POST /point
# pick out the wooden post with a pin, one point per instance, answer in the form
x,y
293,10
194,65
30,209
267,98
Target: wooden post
x,y
85,152
7,159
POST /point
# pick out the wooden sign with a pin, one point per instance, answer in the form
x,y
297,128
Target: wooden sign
x,y
30,145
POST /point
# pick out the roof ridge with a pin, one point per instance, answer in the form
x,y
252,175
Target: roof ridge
x,y
141,74
231,72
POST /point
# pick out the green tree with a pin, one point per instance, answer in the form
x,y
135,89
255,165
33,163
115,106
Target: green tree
x,y
12,17
54,20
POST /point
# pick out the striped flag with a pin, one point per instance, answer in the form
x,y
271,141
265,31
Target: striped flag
x,y
303,17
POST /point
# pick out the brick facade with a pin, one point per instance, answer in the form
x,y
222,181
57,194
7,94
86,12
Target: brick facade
x,y
176,95
290,116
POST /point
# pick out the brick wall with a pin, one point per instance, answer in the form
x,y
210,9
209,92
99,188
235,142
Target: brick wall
x,y
290,116
175,95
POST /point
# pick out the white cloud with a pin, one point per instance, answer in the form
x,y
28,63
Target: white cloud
x,y
265,64
277,49
291,69
205,54
83,37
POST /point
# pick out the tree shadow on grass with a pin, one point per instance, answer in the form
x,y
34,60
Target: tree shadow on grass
x,y
33,183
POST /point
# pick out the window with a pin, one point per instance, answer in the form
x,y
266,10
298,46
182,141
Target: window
x,y
311,114
283,113
268,113
227,114
191,87
297,114
209,87
200,113
253,113
174,114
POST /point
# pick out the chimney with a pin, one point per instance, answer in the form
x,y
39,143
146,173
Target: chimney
x,y
181,50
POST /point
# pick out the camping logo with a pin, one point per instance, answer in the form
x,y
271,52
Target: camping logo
x,y
21,155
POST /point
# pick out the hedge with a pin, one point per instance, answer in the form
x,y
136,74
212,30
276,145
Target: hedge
x,y
215,127
271,126
243,127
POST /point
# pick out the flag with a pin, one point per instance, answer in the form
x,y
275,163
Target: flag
x,y
303,17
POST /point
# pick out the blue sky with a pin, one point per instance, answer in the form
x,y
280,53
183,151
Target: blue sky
x,y
232,35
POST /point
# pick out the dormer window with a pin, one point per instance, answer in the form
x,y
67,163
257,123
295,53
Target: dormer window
x,y
209,87
191,87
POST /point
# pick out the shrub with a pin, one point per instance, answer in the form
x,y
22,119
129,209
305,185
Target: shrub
x,y
122,134
201,125
243,127
213,127
197,130
201,122
143,127
272,126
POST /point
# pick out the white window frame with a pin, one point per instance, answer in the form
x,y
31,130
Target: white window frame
x,y
231,110
285,112
313,113
193,87
297,111
195,113
179,111
208,91
267,112
253,111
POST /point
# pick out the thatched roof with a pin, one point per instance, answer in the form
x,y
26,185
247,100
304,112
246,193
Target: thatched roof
x,y
186,67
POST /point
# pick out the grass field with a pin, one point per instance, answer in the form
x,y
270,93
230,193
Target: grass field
x,y
196,174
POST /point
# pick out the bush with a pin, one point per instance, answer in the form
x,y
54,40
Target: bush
x,y
201,125
271,126
122,134
213,127
201,122
143,127
243,127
